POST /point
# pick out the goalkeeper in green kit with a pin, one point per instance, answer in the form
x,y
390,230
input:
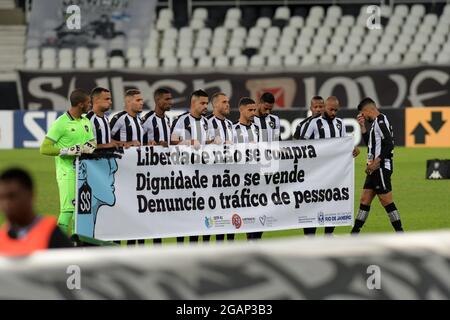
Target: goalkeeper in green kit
x,y
68,137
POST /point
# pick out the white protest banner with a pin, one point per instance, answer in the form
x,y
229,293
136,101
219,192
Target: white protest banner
x,y
156,192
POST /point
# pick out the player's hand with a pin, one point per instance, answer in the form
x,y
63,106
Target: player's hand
x,y
71,151
195,143
228,142
372,166
355,152
163,144
217,140
87,148
361,122
152,143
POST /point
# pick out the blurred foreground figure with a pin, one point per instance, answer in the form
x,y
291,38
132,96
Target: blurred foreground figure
x,y
24,231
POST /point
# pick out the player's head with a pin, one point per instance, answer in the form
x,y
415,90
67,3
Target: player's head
x,y
317,105
163,99
247,109
134,101
266,102
368,109
99,175
199,103
81,100
331,107
101,99
221,104
16,195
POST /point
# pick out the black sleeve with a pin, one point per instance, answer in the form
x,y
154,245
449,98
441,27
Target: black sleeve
x,y
297,133
387,144
59,240
366,137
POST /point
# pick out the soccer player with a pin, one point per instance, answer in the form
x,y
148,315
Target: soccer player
x,y
223,128
267,123
247,132
191,128
323,127
380,146
316,107
68,137
25,232
156,124
126,128
101,103
245,129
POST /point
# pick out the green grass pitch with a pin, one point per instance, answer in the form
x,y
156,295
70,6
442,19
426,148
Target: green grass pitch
x,y
423,204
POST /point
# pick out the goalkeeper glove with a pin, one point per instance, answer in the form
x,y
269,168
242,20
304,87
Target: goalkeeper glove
x,y
72,151
87,148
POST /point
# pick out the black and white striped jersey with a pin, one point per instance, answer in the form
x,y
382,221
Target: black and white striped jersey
x,y
324,128
102,131
221,128
303,126
269,127
245,134
187,127
380,142
126,128
156,128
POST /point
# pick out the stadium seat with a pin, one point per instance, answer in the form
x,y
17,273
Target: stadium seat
x,y
309,60
327,59
170,62
263,22
296,22
282,13
116,62
234,52
133,52
205,62
401,10
283,51
198,53
274,61
200,14
135,63
257,61
266,51
428,58
443,58
32,64
411,58
151,62
233,14
417,10
393,58
182,52
82,62
165,14
343,59
256,32
291,61
48,64
359,59
187,63
376,59
221,62
240,61
216,51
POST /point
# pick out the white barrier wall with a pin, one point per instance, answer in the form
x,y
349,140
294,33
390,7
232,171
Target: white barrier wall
x,y
385,266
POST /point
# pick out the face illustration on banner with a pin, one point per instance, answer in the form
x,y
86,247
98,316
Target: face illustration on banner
x,y
96,188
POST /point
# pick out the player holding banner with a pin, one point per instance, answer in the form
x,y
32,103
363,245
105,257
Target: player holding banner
x,y
68,137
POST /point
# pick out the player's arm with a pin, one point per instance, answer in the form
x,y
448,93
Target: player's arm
x,y
48,148
362,125
387,145
308,131
177,133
